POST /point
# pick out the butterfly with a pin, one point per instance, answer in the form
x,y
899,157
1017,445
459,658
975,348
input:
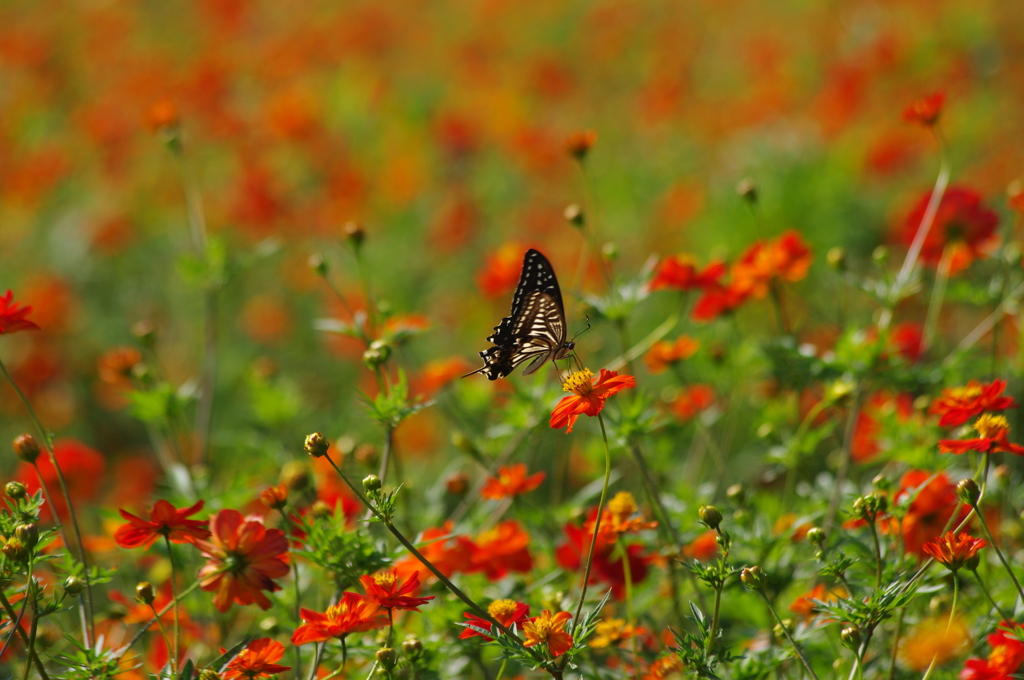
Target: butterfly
x,y
535,328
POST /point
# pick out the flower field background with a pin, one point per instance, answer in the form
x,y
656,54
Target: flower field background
x,y
249,250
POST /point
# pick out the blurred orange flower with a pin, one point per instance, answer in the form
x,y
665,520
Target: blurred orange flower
x,y
243,559
933,504
703,548
12,316
353,614
164,520
614,632
805,605
588,396
787,257
953,550
925,111
258,660
668,667
448,552
501,550
83,469
549,630
511,481
621,515
937,641
439,373
962,224
116,364
578,144
664,354
387,589
501,269
680,272
957,405
1003,661
693,400
718,300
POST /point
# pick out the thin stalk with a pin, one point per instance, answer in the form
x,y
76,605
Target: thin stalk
x,y
167,641
785,630
896,643
32,637
938,296
174,598
88,632
21,614
844,466
295,584
630,618
597,521
713,631
988,596
166,608
32,655
949,623
999,553
878,552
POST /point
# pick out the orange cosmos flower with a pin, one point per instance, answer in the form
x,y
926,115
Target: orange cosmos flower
x,y
12,317
704,548
957,405
437,374
1003,661
578,144
83,469
934,500
787,257
501,269
925,111
164,520
353,614
693,400
669,667
663,354
115,366
613,632
935,641
258,660
805,605
993,431
961,223
620,516
506,612
953,550
449,553
500,550
390,593
275,497
588,396
680,272
243,558
718,300
549,630
511,481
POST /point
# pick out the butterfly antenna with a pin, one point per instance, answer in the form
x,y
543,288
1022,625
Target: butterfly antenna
x,y
586,327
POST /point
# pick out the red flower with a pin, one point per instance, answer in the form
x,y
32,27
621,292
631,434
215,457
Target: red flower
x,y
693,400
243,559
664,354
258,660
962,223
607,566
957,405
390,593
953,550
993,431
805,605
934,500
501,270
164,520
1003,661
353,614
500,550
578,144
680,272
12,318
787,257
549,630
588,397
704,548
511,481
506,612
83,469
718,300
447,552
620,516
925,111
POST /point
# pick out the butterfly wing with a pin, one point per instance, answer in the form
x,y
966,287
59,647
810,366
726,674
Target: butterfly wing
x,y
534,329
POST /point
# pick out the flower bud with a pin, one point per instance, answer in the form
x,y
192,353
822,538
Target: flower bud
x,y
145,333
610,251
26,448
836,258
880,255
15,490
850,637
574,215
275,497
73,586
366,455
747,190
294,475
320,510
412,647
318,264
972,562
967,491
457,484
376,354
578,145
208,674
752,577
144,592
710,516
816,535
387,657
28,534
316,445
371,483
881,483
736,493
354,234
14,549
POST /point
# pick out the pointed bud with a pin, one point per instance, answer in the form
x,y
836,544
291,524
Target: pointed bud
x,y
752,577
736,493
574,215
28,534
457,484
73,586
836,258
366,455
747,190
387,657
378,352
15,490
880,255
145,333
710,516
320,510
412,646
14,549
208,674
354,234
816,535
316,445
371,483
26,448
144,592
850,637
318,264
968,492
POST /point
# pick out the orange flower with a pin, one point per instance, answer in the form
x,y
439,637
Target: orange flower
x,y
258,660
934,500
668,667
664,354
961,223
613,632
703,548
390,593
680,272
439,373
549,630
12,317
787,257
275,496
578,144
925,111
115,366
953,550
448,552
718,300
1003,661
935,641
957,405
588,396
607,566
805,605
501,269
500,550
511,481
162,114
620,516
693,400
164,520
243,558
83,469
506,612
353,614
993,431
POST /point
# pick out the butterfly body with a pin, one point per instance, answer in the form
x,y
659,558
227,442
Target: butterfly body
x,y
535,329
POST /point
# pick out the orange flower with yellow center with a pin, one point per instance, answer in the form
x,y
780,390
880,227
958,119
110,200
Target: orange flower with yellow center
x,y
954,550
390,593
665,354
621,516
937,641
549,630
957,405
511,481
614,632
508,613
993,430
587,396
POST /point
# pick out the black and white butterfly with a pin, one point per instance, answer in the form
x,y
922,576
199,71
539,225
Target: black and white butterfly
x,y
535,329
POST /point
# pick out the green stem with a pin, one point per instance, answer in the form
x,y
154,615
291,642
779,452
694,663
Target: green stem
x,y
785,631
630,618
713,631
501,671
166,608
174,598
988,596
949,623
32,635
167,641
878,551
32,655
597,520
999,553
938,295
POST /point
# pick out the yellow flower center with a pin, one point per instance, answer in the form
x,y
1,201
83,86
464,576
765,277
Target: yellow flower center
x,y
579,382
609,632
1000,657
991,427
335,611
385,579
543,626
967,392
502,610
622,505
